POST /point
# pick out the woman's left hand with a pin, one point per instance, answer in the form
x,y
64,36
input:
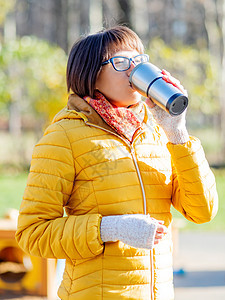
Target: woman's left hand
x,y
173,126
172,80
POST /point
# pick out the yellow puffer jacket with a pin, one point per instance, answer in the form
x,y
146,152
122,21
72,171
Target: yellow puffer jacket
x,y
81,165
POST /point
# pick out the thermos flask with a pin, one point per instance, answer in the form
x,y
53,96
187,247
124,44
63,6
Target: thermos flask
x,y
146,78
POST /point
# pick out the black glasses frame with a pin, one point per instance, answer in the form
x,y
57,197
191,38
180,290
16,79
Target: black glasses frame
x,y
131,60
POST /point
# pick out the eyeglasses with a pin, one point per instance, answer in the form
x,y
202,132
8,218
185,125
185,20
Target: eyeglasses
x,y
122,63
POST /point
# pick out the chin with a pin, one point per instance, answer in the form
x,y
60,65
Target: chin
x,y
129,100
127,103
133,100
136,98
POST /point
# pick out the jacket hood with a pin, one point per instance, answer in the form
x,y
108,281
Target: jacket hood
x,y
78,108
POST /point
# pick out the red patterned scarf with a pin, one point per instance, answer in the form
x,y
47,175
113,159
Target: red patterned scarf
x,y
125,121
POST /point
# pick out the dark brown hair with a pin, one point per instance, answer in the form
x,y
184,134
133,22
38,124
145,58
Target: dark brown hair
x,y
88,53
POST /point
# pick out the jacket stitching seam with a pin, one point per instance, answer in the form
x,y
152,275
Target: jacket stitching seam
x,y
50,229
45,188
83,169
88,137
60,240
102,273
37,240
91,183
120,201
40,172
105,148
50,158
71,283
73,157
74,233
87,274
101,162
35,200
52,145
111,188
71,149
83,199
86,237
85,288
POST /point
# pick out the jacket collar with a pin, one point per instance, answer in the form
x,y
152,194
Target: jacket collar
x,y
79,105
79,108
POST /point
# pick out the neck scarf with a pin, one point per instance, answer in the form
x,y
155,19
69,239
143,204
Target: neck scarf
x,y
125,121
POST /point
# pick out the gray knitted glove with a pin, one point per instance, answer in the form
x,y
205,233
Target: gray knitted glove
x,y
135,230
173,126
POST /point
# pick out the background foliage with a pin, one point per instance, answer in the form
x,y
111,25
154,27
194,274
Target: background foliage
x,y
195,68
185,37
32,72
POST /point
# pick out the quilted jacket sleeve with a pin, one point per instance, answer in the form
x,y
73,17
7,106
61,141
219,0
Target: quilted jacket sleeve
x,y
43,230
194,187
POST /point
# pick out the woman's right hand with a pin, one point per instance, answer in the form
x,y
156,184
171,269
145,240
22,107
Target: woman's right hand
x,y
136,230
161,231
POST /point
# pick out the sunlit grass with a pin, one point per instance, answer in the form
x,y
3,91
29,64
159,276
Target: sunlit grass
x,y
11,192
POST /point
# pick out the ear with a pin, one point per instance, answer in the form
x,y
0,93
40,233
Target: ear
x,y
97,81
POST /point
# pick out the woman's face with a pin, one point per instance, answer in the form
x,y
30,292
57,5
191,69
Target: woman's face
x,y
115,85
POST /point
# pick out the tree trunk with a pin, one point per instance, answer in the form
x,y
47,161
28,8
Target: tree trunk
x,y
95,16
61,23
109,11
211,25
216,39
222,87
84,16
125,12
15,119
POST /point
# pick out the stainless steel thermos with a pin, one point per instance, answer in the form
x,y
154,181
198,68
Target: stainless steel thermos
x,y
146,78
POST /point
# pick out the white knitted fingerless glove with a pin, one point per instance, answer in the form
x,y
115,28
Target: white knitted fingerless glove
x,y
135,230
173,126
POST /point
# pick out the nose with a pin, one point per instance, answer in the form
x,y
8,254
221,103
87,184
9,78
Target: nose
x,y
132,63
132,66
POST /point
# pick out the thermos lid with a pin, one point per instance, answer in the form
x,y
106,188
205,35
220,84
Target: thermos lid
x,y
177,104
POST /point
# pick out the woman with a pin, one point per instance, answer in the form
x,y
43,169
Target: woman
x,y
116,171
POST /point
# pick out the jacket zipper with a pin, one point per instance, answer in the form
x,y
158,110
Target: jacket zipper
x,y
145,212
142,189
139,177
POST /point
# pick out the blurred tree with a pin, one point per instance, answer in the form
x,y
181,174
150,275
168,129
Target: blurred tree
x,y
222,86
6,6
125,12
84,9
215,28
170,20
46,19
109,13
60,19
32,74
95,15
195,71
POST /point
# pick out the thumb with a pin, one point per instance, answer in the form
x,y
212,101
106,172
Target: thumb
x,y
149,102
